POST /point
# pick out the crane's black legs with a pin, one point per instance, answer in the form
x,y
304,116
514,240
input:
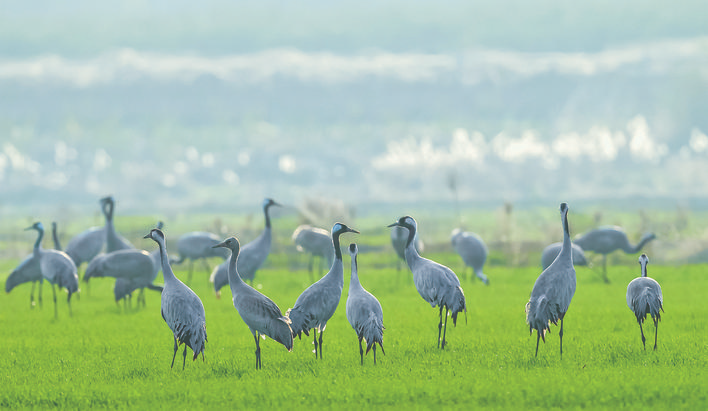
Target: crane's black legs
x,y
361,352
68,302
643,339
374,347
174,355
258,351
40,293
184,356
561,334
54,293
321,332
32,294
314,340
538,337
444,330
656,332
604,269
440,326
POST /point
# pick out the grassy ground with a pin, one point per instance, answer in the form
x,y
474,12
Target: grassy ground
x,y
108,357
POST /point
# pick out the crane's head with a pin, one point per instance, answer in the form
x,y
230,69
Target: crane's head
x,y
270,202
339,228
159,225
353,250
406,222
36,226
157,235
564,208
231,243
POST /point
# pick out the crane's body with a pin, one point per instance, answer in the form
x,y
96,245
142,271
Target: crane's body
x,y
436,283
198,245
644,298
251,255
316,305
551,252
260,313
364,311
181,308
553,290
133,269
605,240
317,242
473,251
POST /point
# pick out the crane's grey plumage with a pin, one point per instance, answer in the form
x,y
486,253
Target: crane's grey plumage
x,y
605,240
260,313
56,267
181,308
251,256
551,252
83,247
436,283
364,311
198,245
28,271
317,242
130,268
316,305
644,298
553,290
399,238
114,241
473,251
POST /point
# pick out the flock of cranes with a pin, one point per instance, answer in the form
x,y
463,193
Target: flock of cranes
x,y
437,284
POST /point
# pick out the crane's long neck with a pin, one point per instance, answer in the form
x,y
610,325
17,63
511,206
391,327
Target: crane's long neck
x,y
635,249
166,268
38,243
267,215
411,253
354,282
235,280
55,237
337,249
644,268
566,250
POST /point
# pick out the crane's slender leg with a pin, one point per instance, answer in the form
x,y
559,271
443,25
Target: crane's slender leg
x,y
656,332
374,353
184,355
643,339
258,351
41,283
440,325
314,340
174,355
538,338
560,333
444,330
32,294
68,302
54,292
361,352
604,269
321,332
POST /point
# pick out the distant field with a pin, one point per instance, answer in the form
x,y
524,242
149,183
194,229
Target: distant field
x,y
107,358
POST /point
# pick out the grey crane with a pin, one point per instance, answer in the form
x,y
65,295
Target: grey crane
x,y
56,267
605,240
198,245
551,252
473,251
644,298
181,308
252,255
84,246
316,305
364,311
260,313
131,269
553,290
399,238
436,283
317,242
29,271
114,241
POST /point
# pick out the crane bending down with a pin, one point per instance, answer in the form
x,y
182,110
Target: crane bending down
x,y
318,243
83,247
251,255
29,271
181,308
644,298
56,267
551,252
364,311
473,251
605,240
198,245
260,313
436,283
553,290
316,305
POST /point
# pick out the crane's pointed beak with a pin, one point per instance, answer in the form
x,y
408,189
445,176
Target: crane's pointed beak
x,y
351,230
147,235
222,244
29,228
393,225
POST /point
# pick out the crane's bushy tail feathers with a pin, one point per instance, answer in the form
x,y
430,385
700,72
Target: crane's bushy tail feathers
x,y
299,322
457,305
372,331
539,315
194,339
282,333
647,303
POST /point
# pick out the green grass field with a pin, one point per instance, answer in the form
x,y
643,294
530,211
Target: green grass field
x,y
108,357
